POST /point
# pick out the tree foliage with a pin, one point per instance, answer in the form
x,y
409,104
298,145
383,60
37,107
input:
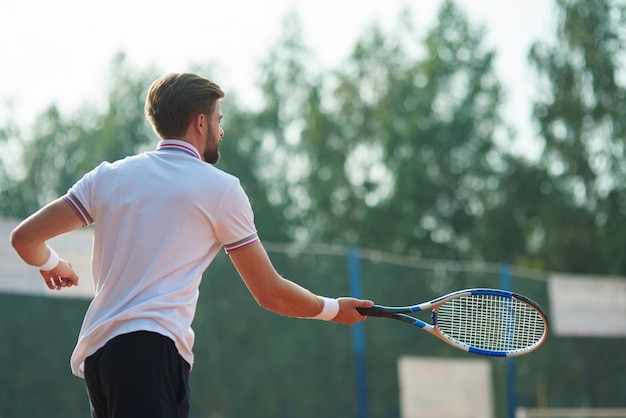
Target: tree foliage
x,y
407,128
581,115
389,135
61,149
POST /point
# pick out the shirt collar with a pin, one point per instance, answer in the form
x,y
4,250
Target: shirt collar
x,y
178,144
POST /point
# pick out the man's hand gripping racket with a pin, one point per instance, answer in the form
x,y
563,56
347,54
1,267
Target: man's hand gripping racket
x,y
482,321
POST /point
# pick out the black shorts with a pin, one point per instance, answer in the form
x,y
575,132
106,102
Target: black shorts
x,y
138,375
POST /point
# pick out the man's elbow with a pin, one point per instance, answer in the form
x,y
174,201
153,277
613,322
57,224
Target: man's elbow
x,y
268,302
19,240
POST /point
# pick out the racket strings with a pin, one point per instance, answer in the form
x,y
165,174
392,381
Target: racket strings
x,y
491,322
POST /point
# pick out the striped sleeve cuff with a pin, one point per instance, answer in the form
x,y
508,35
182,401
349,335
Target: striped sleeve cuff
x,y
78,207
252,239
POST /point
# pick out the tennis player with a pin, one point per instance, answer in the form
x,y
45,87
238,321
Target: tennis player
x,y
160,217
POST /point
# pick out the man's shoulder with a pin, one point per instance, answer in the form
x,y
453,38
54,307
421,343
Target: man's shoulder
x,y
218,172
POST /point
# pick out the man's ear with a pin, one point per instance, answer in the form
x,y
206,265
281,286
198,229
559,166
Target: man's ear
x,y
199,123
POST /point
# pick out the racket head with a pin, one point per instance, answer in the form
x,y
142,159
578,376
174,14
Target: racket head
x,y
490,322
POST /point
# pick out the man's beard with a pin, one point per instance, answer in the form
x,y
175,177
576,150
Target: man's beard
x,y
211,156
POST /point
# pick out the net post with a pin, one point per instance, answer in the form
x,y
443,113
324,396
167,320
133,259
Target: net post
x,y
509,362
358,335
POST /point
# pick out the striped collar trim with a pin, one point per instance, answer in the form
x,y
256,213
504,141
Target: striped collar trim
x,y
178,144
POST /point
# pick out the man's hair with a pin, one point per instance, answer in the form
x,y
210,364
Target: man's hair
x,y
174,100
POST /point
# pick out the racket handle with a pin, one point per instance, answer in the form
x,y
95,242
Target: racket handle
x,y
373,311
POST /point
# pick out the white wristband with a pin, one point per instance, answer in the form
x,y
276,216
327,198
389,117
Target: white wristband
x,y
52,262
329,311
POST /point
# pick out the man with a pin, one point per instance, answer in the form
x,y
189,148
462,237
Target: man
x,y
160,218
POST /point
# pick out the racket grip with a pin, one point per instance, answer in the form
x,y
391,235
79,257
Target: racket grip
x,y
373,311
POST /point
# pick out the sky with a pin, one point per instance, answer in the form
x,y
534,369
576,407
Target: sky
x,y
60,51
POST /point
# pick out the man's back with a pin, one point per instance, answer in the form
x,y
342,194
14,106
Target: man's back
x,y
160,218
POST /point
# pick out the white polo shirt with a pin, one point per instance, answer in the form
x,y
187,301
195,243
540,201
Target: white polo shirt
x,y
160,218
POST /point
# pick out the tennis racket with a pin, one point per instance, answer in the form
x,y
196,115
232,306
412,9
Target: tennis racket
x,y
489,322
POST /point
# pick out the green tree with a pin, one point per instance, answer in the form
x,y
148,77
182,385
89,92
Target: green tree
x,y
46,159
268,150
403,153
581,113
244,154
61,149
11,202
566,211
121,130
582,119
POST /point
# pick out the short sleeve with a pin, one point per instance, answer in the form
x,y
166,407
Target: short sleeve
x,y
235,227
79,197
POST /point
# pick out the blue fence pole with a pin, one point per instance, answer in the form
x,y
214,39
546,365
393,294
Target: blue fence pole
x,y
358,336
511,393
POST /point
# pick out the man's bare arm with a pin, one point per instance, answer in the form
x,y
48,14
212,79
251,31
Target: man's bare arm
x,y
282,296
30,236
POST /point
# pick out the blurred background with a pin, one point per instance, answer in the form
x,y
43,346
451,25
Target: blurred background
x,y
399,150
